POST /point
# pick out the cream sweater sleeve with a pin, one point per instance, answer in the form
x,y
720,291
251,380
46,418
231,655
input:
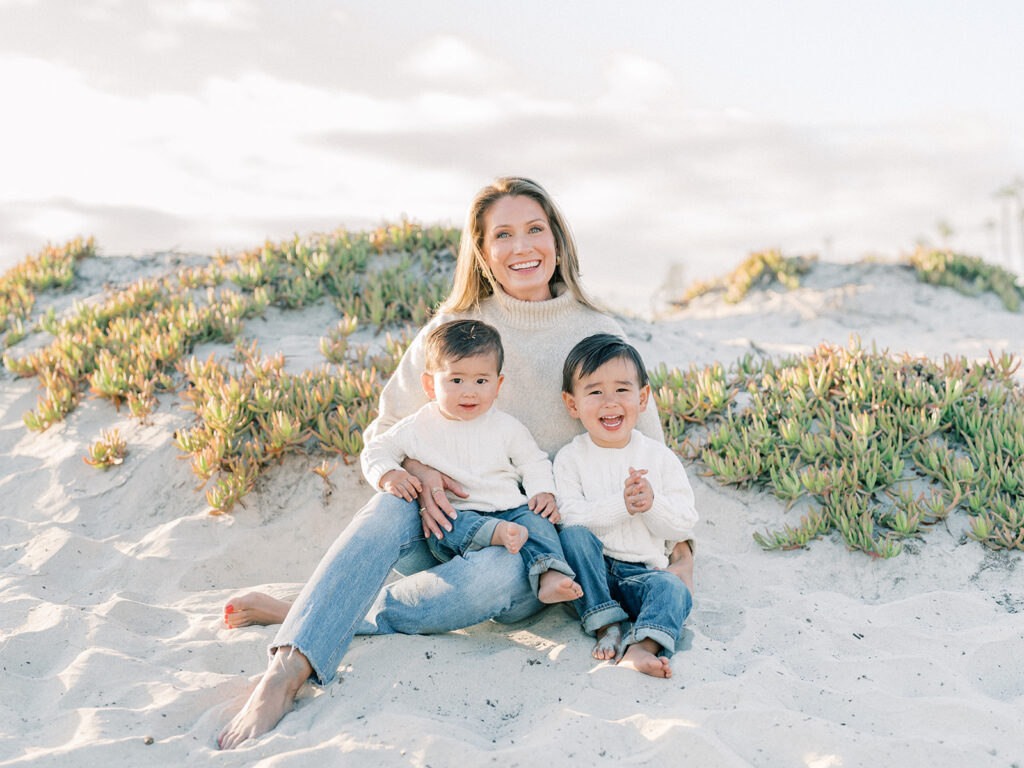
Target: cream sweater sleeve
x,y
384,452
673,514
403,394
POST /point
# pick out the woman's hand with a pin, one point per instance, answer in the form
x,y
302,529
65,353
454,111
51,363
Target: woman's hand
x,y
543,504
638,494
400,483
435,509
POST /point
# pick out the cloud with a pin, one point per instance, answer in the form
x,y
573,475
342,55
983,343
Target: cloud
x,y
213,13
252,117
452,61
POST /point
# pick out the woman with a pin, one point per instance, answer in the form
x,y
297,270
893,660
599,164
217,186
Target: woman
x,y
517,270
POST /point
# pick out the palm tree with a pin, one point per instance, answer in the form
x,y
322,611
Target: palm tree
x,y
1008,195
1018,193
990,228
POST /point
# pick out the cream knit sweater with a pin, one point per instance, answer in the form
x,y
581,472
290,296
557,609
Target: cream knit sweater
x,y
537,336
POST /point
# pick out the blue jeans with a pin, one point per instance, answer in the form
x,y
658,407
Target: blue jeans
x,y
471,531
344,596
613,590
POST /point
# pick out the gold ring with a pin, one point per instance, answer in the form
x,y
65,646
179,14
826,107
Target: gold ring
x,y
437,490
422,510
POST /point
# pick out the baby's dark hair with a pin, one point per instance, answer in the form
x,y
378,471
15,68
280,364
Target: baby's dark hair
x,y
457,339
593,352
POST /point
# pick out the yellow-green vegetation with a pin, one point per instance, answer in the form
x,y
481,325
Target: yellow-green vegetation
x,y
875,447
761,268
132,344
403,285
108,451
249,420
54,267
967,274
881,446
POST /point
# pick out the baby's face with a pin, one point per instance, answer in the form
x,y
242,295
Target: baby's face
x,y
608,402
464,389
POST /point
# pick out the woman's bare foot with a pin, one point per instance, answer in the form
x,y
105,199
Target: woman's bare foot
x,y
643,657
271,700
254,608
680,562
609,642
511,536
556,587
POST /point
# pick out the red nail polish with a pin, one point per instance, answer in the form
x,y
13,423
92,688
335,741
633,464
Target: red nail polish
x,y
229,609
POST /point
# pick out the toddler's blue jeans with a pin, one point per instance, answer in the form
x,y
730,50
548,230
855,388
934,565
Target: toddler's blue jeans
x,y
473,530
657,601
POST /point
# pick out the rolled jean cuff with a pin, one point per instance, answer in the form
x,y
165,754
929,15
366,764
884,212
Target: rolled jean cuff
x,y
658,635
483,535
602,616
547,563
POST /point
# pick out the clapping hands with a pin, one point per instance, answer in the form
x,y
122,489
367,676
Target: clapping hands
x,y
638,494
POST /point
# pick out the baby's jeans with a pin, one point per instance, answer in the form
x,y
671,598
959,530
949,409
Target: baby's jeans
x,y
613,590
471,530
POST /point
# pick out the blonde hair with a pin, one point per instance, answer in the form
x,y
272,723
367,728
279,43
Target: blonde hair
x,y
473,279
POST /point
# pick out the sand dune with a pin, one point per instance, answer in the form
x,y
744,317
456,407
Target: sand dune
x,y
112,584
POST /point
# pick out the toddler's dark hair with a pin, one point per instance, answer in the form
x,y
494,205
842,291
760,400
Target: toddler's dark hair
x,y
456,339
593,352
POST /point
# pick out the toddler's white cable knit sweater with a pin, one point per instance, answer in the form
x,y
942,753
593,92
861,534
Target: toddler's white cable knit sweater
x,y
591,481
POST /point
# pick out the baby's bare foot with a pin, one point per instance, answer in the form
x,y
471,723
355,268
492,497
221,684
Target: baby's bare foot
x,y
511,536
609,642
254,608
556,587
640,657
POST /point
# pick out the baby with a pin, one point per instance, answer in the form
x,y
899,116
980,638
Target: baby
x,y
486,451
622,495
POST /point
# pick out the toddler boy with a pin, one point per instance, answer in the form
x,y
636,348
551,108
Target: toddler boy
x,y
621,495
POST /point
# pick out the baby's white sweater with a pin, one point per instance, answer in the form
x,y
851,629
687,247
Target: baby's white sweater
x,y
591,481
488,456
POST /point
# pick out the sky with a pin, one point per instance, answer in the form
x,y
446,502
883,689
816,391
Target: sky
x,y
677,137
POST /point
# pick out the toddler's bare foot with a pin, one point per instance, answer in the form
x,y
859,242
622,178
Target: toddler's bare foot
x,y
680,562
556,587
511,536
254,608
643,657
609,642
271,700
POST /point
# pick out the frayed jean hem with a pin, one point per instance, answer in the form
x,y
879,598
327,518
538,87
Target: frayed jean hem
x,y
317,677
601,616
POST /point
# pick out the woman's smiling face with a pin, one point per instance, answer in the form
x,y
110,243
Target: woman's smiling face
x,y
520,248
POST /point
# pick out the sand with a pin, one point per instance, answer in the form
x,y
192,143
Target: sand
x,y
112,650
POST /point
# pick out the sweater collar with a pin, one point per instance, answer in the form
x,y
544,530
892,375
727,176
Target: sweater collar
x,y
515,313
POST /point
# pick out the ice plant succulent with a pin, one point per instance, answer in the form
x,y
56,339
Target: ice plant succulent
x,y
842,431
967,274
762,267
108,451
